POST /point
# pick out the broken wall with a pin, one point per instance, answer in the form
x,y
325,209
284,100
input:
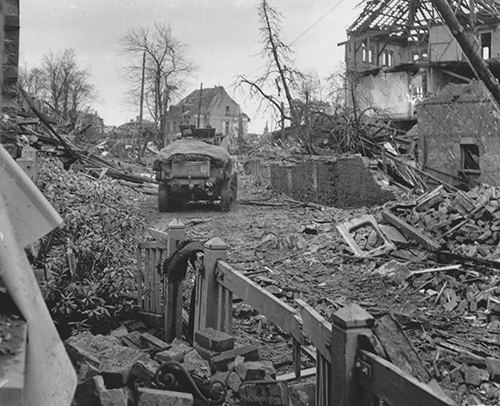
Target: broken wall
x,y
388,92
10,11
337,182
443,47
460,115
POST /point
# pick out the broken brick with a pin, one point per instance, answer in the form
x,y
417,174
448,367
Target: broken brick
x,y
268,393
252,370
220,362
214,340
112,397
493,366
475,376
193,362
233,381
116,365
205,354
157,397
302,393
143,372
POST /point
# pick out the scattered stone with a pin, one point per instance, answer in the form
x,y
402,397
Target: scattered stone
x,y
143,372
119,332
219,376
244,311
132,340
475,376
233,381
85,393
263,393
111,397
302,393
193,362
205,354
157,397
116,364
493,366
214,340
176,352
251,371
220,362
86,347
150,339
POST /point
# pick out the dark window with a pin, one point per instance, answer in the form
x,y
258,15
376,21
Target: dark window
x,y
470,158
227,127
227,109
486,45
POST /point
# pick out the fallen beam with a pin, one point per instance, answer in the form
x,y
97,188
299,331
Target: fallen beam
x,y
411,231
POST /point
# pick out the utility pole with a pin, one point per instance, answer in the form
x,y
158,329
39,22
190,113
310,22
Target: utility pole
x,y
199,106
141,104
474,57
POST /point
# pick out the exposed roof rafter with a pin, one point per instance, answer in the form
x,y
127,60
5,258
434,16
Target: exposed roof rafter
x,y
411,18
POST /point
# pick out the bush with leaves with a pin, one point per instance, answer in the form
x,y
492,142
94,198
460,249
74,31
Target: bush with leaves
x,y
90,260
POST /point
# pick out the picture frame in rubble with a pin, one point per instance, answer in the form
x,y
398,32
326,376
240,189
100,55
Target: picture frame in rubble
x,y
349,228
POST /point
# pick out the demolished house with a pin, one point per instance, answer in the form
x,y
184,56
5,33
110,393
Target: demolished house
x,y
400,51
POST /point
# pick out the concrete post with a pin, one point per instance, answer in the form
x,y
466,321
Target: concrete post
x,y
207,292
348,324
176,233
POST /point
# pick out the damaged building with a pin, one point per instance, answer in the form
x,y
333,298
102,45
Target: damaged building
x,y
398,52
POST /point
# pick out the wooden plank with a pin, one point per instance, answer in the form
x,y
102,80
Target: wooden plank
x,y
147,285
399,349
305,373
411,231
140,277
316,328
394,386
153,245
280,313
153,273
296,358
155,341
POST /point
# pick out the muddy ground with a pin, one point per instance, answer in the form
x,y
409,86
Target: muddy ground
x,y
296,252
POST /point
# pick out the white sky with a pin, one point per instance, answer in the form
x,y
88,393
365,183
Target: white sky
x,y
221,36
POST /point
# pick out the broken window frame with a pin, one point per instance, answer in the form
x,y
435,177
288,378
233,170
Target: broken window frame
x,y
470,159
485,45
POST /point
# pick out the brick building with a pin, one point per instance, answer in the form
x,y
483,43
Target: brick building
x,y
459,135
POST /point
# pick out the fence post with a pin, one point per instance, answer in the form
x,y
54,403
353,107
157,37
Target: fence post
x,y
348,324
173,299
207,292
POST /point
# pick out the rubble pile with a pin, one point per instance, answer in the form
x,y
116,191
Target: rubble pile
x,y
133,366
467,223
89,263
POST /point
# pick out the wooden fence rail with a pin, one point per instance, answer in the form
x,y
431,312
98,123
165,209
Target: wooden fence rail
x,y
346,375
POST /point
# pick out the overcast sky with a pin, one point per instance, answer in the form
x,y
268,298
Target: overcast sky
x,y
221,37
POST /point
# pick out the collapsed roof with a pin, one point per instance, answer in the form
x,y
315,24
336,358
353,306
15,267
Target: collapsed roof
x,y
411,19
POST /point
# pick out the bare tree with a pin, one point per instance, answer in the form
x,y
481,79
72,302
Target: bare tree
x,y
61,85
276,84
166,66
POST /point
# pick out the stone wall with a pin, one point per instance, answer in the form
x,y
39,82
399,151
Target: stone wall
x,y
338,182
10,12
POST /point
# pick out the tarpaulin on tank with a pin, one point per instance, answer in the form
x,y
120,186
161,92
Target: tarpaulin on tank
x,y
193,147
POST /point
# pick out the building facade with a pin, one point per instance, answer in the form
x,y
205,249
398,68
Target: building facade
x,y
209,108
398,52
